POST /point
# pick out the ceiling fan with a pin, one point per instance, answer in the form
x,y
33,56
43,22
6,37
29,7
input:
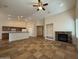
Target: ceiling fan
x,y
40,5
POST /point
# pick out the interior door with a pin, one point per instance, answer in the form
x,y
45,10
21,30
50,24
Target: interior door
x,y
39,30
49,30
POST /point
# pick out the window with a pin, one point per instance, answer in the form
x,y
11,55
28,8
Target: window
x,y
77,28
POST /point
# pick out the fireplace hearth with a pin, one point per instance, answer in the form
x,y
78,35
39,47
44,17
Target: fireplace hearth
x,y
63,36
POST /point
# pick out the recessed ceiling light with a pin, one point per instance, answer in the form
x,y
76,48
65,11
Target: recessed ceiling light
x,y
61,5
9,18
9,15
21,16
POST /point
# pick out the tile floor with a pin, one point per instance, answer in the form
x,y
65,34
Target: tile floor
x,y
39,48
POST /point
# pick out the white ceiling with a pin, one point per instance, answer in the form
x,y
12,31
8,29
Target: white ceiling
x,y
25,8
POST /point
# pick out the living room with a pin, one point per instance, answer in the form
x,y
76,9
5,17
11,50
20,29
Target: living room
x,y
25,26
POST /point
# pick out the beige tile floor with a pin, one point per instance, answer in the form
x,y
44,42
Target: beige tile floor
x,y
39,48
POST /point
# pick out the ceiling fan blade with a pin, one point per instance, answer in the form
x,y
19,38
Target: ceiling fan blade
x,y
43,9
39,1
35,5
45,4
37,9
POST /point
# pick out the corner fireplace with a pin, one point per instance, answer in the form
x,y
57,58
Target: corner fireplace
x,y
63,36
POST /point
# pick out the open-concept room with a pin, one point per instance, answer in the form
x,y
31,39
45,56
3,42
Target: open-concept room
x,y
38,29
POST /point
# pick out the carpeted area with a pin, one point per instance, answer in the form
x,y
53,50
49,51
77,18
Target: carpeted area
x,y
39,48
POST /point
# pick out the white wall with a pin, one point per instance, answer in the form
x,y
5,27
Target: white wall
x,y
39,22
2,22
12,22
31,26
61,22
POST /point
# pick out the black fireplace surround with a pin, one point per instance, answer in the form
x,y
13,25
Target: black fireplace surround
x,y
63,36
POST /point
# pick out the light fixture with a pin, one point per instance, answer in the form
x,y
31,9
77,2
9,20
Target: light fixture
x,y
9,18
17,17
40,7
9,15
20,17
61,4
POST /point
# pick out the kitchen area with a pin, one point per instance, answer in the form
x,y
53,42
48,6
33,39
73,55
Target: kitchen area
x,y
10,33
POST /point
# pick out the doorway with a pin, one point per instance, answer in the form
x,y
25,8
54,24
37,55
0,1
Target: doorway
x,y
40,31
49,31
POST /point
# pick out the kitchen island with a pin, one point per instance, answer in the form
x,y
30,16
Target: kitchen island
x,y
9,36
11,33
14,35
